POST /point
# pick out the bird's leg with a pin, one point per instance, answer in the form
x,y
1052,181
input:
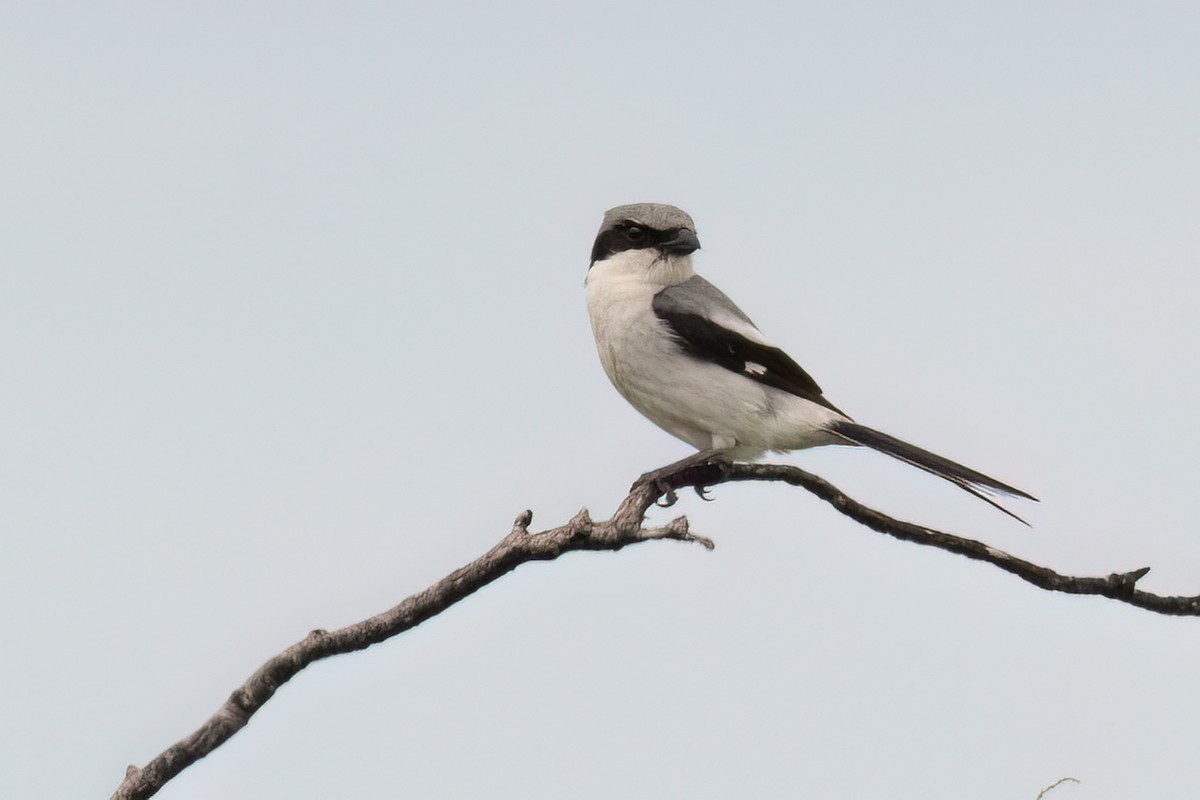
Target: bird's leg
x,y
666,491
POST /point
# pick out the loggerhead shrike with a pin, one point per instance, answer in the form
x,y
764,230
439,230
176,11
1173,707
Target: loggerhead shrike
x,y
694,364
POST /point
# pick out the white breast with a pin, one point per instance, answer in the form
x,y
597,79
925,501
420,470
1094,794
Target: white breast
x,y
701,403
627,331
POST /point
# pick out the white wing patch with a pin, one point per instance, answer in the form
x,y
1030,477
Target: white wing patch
x,y
731,322
755,369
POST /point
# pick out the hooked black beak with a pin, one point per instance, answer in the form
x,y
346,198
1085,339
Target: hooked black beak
x,y
684,242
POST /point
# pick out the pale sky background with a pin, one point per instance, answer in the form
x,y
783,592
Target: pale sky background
x,y
292,324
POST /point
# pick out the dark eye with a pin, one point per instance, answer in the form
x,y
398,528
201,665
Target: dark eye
x,y
634,234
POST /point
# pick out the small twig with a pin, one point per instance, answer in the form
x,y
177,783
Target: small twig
x,y
1054,785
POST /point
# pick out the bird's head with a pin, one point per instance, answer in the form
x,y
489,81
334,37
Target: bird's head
x,y
651,240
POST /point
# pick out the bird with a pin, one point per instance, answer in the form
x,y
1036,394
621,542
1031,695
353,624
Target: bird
x,y
693,363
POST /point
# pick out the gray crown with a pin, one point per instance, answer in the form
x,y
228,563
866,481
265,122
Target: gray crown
x,y
658,216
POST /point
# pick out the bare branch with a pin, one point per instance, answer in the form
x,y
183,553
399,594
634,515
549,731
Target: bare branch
x,y
1120,586
625,527
518,547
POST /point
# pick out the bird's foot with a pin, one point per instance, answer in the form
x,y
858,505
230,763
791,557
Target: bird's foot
x,y
664,493
665,488
667,496
723,466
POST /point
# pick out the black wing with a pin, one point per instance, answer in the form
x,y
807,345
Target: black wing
x,y
682,309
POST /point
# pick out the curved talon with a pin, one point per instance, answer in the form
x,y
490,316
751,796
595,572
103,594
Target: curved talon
x,y
702,493
668,498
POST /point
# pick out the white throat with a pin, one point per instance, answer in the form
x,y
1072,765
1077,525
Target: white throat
x,y
643,266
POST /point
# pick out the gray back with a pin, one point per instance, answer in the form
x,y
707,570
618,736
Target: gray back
x,y
698,296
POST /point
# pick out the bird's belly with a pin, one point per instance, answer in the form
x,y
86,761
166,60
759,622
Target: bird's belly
x,y
702,403
697,401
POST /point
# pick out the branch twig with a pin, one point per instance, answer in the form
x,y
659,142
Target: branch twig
x,y
1054,786
518,547
1120,586
582,533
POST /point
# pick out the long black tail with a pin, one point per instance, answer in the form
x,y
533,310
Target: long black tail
x,y
964,478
